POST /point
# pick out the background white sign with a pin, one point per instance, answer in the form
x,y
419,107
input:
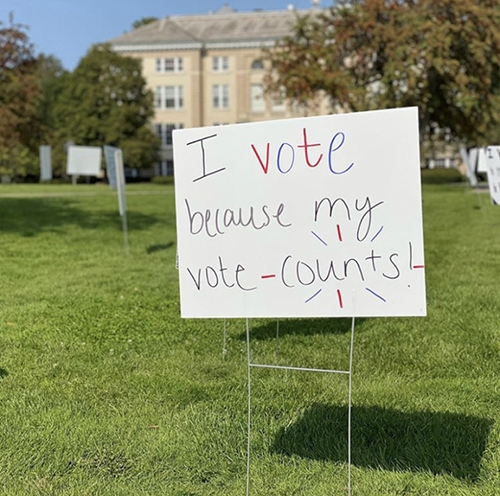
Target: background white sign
x,y
84,160
318,216
481,166
493,170
109,157
120,181
470,168
45,163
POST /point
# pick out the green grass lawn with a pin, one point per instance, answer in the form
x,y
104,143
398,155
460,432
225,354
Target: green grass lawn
x,y
104,390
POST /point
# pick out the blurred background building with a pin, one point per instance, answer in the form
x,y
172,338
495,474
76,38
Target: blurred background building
x,y
207,70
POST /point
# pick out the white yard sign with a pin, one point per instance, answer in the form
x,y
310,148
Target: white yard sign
x,y
84,160
481,161
120,181
318,216
493,170
109,157
45,163
469,166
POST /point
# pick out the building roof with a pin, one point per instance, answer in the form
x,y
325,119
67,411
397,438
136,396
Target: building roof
x,y
226,28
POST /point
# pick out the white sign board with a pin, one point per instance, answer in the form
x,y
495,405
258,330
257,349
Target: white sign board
x,y
45,163
310,217
470,168
493,170
120,181
84,160
109,156
481,161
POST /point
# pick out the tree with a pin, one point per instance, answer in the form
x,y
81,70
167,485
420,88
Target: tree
x,y
51,77
143,21
49,73
20,129
104,101
440,55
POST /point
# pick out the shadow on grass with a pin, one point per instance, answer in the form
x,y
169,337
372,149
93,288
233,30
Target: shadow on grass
x,y
3,373
30,216
155,248
387,439
302,327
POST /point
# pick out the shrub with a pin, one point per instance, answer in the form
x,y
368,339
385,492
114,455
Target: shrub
x,y
441,176
163,180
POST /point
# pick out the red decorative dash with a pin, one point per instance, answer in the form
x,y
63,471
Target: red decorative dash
x,y
418,266
339,233
339,296
268,276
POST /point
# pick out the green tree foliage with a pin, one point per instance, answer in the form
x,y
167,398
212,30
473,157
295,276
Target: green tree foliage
x,y
143,21
104,101
51,77
49,73
440,55
20,128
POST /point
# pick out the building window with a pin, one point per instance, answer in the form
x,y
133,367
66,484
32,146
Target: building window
x,y
257,101
164,132
159,132
220,96
165,168
169,97
174,97
257,65
278,101
158,96
168,132
170,64
220,63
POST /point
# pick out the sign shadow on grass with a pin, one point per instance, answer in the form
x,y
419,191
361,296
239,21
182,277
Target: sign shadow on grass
x,y
154,248
388,439
3,373
302,327
31,216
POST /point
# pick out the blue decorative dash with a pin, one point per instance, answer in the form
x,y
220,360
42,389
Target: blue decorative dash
x,y
324,242
313,296
375,294
378,232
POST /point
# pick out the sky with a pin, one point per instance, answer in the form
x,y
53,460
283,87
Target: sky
x,y
67,28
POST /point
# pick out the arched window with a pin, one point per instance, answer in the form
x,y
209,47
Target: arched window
x,y
257,64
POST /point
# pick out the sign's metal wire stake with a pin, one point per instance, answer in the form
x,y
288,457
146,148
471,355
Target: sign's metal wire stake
x,y
303,369
249,425
349,412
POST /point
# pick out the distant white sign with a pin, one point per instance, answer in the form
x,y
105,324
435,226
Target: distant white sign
x,y
493,170
84,160
471,174
311,217
109,156
120,181
481,161
45,163
473,152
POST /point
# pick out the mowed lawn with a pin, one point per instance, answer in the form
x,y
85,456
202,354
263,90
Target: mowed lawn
x,y
105,390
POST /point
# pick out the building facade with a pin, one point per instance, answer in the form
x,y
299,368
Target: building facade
x,y
207,70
